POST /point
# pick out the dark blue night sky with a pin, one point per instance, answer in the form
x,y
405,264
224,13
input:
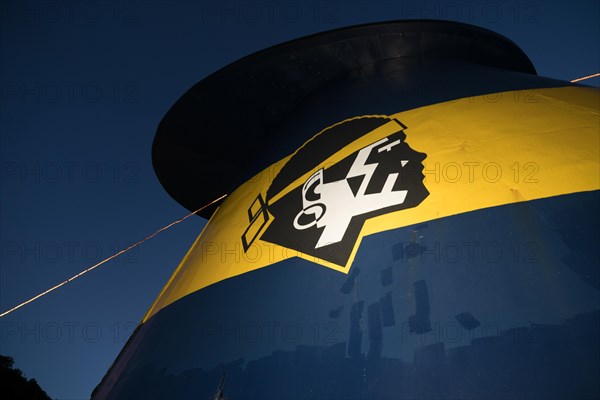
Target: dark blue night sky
x,y
83,88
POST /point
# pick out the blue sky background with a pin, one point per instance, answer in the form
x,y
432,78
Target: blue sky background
x,y
83,88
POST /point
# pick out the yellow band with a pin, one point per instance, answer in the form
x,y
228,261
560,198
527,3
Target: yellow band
x,y
482,152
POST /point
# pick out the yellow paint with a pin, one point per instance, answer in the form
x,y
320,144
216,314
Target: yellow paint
x,y
481,151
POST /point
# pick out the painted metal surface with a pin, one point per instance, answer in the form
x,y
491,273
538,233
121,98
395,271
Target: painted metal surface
x,y
421,226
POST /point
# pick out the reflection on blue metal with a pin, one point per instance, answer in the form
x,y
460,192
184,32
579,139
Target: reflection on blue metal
x,y
479,313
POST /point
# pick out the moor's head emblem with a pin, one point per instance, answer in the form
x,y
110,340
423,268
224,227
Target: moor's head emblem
x,y
321,198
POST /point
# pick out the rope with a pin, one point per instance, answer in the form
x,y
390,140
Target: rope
x,y
85,271
583,78
156,233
